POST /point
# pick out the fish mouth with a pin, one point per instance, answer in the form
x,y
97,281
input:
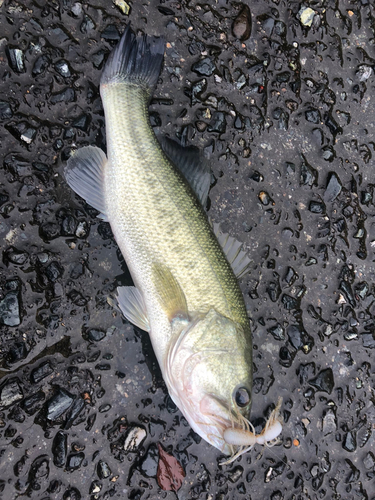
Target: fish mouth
x,y
219,418
234,434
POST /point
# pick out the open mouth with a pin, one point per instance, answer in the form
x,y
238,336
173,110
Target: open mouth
x,y
236,435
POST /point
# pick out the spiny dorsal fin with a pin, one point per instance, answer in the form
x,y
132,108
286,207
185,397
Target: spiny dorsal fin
x,y
172,297
133,307
192,165
232,248
84,172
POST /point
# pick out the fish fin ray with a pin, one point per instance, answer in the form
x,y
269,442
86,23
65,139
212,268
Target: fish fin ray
x,y
84,172
135,60
192,165
133,307
232,248
172,297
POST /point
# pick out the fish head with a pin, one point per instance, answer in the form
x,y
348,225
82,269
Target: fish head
x,y
209,376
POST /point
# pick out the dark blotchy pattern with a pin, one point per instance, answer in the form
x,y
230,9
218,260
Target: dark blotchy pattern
x,y
286,113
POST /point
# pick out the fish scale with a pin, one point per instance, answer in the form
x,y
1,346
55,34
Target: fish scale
x,y
154,199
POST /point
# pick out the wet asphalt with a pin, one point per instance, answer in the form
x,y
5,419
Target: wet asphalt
x,y
279,96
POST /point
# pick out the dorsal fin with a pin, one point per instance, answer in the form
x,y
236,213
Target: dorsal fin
x,y
189,160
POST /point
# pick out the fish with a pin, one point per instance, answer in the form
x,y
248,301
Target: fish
x,y
184,269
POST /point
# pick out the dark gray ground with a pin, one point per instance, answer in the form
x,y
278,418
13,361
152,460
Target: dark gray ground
x,y
287,119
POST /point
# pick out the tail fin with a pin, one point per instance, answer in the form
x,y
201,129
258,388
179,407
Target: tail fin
x,y
135,60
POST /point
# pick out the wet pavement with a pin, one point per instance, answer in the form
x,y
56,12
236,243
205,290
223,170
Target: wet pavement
x,y
280,98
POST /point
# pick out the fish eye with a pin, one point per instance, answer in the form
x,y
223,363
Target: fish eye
x,y
242,397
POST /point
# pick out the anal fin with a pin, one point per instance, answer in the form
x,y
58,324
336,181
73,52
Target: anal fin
x,y
84,172
232,248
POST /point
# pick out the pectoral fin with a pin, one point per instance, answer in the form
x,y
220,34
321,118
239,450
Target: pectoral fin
x,y
133,306
171,296
84,172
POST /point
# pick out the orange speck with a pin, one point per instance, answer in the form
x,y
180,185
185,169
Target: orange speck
x,y
296,442
168,45
350,13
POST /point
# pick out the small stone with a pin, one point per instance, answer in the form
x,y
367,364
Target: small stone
x,y
10,393
125,7
14,256
59,404
149,465
277,331
111,33
196,91
306,16
62,67
67,95
317,207
95,487
74,461
49,231
22,131
328,153
5,110
16,59
323,381
10,310
331,124
291,276
33,403
241,27
87,24
364,72
235,474
295,336
82,229
204,67
53,272
42,371
309,175
312,116
166,11
77,298
329,422
76,9
134,438
218,123
103,470
95,335
265,198
98,58
286,357
349,443
369,461
333,189
82,122
17,352
59,448
368,339
40,65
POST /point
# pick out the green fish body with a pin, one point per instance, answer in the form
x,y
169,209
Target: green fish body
x,y
186,294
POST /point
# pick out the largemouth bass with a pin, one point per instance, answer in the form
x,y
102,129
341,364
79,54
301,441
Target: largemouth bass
x,y
186,294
